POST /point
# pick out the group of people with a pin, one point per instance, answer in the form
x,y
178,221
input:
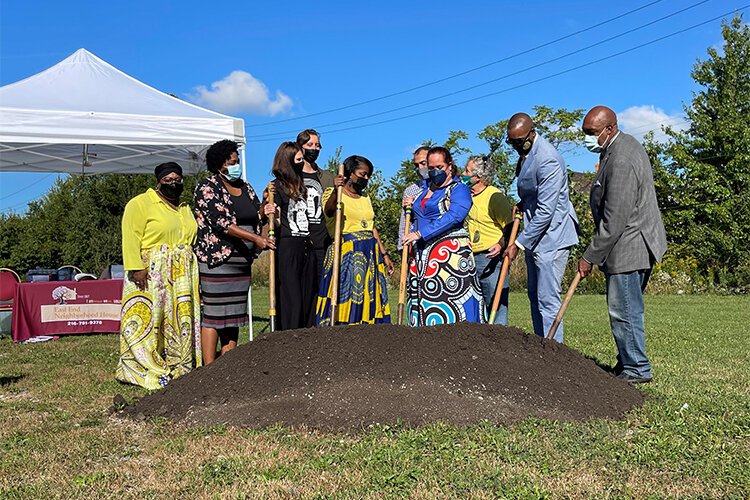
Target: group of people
x,y
457,234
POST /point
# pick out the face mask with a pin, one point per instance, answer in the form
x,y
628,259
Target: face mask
x,y
298,166
437,177
466,179
592,142
424,173
233,172
359,185
311,155
171,191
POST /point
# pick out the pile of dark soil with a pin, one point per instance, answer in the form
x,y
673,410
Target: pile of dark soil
x,y
352,376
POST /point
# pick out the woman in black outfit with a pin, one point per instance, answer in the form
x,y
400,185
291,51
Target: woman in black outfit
x,y
229,221
297,286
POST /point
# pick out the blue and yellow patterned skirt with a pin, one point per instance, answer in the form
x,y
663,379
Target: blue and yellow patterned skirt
x,y
363,293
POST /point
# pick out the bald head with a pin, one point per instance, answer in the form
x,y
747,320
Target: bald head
x,y
598,118
521,133
600,122
520,124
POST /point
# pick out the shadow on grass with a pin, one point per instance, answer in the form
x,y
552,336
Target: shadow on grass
x,y
604,366
10,380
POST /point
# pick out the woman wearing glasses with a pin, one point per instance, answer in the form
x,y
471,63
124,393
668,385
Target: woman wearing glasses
x,y
229,221
159,334
443,285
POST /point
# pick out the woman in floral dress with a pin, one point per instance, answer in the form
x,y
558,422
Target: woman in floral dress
x,y
229,221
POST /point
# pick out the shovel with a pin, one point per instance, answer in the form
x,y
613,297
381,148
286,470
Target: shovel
x,y
504,270
564,306
404,271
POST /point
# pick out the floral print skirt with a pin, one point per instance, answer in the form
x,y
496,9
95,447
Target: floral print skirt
x,y
160,327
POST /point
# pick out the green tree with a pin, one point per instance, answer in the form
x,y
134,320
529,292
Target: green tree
x,y
703,173
77,223
333,162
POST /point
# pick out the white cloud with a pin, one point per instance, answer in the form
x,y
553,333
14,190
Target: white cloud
x,y
639,120
241,92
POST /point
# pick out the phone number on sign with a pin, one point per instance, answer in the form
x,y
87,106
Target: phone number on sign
x,y
85,322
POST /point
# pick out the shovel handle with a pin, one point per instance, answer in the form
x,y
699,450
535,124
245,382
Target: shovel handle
x,y
404,270
564,306
504,269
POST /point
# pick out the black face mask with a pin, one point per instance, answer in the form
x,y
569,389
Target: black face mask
x,y
298,166
359,185
311,154
171,191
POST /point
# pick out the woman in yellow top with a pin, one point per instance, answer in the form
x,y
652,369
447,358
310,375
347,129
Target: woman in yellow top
x,y
160,326
363,293
488,225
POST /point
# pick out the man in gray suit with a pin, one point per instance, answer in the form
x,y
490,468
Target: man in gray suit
x,y
629,235
550,225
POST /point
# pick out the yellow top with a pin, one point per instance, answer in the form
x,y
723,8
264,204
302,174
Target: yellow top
x,y
490,211
358,214
148,221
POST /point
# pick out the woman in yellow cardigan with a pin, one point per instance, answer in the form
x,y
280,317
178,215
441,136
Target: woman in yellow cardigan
x,y
160,326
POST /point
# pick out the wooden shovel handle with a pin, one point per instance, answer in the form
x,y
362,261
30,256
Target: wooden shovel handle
x,y
271,264
337,250
564,306
506,265
404,270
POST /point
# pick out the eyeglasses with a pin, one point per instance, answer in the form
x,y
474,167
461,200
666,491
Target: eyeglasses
x,y
518,142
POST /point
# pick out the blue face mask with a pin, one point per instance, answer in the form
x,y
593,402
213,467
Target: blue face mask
x,y
592,142
234,172
437,177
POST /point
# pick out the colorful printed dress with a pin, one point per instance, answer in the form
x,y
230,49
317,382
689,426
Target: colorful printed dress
x,y
160,326
443,284
363,293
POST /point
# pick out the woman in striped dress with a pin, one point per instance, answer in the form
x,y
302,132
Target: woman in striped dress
x,y
229,221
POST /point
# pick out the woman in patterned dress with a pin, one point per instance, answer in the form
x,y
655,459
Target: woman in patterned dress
x,y
159,332
362,290
443,284
227,211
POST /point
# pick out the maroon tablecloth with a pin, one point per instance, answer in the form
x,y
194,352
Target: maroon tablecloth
x,y
66,307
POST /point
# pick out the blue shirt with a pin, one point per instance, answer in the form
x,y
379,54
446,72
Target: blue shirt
x,y
430,222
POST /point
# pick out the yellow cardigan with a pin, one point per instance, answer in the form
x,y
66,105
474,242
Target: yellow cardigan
x,y
148,221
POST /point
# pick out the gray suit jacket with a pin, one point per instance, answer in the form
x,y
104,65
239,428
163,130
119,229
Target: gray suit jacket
x,y
629,231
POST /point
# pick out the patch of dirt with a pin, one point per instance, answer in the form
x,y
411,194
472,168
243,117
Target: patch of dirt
x,y
349,377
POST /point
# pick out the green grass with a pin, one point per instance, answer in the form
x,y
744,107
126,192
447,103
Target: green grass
x,y
691,438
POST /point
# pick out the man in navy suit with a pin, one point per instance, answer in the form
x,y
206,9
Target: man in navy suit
x,y
550,225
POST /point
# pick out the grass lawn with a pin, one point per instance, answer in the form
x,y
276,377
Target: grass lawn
x,y
692,437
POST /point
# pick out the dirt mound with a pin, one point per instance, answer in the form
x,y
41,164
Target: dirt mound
x,y
352,376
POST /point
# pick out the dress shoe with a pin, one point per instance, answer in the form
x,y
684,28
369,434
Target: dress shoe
x,y
634,379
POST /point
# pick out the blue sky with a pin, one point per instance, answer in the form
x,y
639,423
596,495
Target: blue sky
x,y
271,61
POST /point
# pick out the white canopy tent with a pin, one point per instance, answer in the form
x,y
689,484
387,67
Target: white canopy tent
x,y
83,115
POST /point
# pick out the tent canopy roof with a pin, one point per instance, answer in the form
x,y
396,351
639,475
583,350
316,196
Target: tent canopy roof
x,y
83,115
